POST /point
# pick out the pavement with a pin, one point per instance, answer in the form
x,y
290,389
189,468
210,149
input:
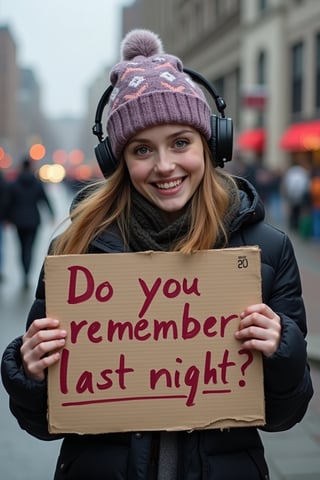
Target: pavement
x,y
291,455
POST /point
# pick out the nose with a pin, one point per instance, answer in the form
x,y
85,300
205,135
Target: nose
x,y
164,163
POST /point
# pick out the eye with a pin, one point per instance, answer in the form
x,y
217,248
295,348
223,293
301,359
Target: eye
x,y
141,150
181,143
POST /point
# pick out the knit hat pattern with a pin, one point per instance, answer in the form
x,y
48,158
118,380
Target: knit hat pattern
x,y
150,88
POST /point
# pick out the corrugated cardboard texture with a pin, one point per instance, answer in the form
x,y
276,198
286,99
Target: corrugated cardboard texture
x,y
150,342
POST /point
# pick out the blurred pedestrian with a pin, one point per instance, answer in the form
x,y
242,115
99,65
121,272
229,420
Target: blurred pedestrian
x,y
4,204
27,194
296,191
315,203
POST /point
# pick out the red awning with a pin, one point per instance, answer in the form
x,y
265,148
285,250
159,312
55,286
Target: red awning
x,y
301,137
253,139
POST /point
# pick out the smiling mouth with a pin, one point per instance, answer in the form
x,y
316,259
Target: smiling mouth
x,y
169,185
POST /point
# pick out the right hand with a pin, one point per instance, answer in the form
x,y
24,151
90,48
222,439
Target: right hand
x,y
40,345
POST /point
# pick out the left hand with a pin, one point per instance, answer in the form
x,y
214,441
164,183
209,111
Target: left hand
x,y
259,329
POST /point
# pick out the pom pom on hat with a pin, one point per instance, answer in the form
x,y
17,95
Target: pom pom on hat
x,y
140,42
150,88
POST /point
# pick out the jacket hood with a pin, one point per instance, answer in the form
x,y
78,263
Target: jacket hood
x,y
251,208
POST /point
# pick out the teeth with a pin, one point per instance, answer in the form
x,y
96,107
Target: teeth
x,y
167,185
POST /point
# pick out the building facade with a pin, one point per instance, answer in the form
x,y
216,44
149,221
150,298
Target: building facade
x,y
263,57
9,84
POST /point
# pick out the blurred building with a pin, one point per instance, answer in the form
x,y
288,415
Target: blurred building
x,y
9,83
94,93
22,123
263,57
33,126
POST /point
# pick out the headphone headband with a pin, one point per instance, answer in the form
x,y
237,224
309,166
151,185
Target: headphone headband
x,y
220,142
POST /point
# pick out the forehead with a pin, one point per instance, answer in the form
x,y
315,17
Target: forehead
x,y
162,131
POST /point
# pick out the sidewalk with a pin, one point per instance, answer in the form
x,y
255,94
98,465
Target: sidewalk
x,y
314,348
295,454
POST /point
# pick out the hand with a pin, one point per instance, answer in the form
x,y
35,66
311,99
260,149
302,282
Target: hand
x,y
259,329
39,347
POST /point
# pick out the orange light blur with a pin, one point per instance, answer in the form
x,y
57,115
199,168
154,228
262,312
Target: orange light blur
x,y
76,157
37,151
60,156
5,159
83,172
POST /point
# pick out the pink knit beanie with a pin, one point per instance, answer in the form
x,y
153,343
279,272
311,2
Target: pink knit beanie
x,y
150,88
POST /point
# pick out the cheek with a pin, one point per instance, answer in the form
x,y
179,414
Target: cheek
x,y
195,165
138,172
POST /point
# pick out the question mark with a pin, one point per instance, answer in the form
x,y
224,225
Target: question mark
x,y
249,360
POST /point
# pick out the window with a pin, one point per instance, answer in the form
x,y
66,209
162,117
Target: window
x,y
317,66
261,81
262,5
261,68
297,54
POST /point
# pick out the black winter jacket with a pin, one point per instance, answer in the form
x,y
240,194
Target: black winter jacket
x,y
26,195
4,198
233,454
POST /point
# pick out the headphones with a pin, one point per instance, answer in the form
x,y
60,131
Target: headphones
x,y
220,141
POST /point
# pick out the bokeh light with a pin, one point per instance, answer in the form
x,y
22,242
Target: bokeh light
x,y
5,159
52,173
60,156
37,151
76,157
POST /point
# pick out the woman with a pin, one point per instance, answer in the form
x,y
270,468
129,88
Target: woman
x,y
165,195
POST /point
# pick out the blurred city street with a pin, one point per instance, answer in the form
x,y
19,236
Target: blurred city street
x,y
292,455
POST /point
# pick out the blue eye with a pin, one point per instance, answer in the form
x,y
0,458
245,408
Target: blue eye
x,y
141,150
181,143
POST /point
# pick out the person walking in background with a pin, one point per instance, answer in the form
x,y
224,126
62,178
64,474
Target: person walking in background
x,y
163,191
27,194
4,204
315,203
296,192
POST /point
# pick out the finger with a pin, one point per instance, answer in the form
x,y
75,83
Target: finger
x,y
41,324
43,342
266,347
261,308
264,339
253,331
37,358
258,327
36,369
36,334
256,319
43,348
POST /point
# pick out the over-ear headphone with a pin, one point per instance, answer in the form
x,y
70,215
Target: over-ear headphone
x,y
220,142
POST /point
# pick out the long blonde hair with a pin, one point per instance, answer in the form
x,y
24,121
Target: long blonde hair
x,y
110,202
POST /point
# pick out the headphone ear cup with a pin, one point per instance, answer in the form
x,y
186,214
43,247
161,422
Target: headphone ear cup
x,y
105,158
221,140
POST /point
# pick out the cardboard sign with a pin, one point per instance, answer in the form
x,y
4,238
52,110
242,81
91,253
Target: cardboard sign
x,y
150,342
